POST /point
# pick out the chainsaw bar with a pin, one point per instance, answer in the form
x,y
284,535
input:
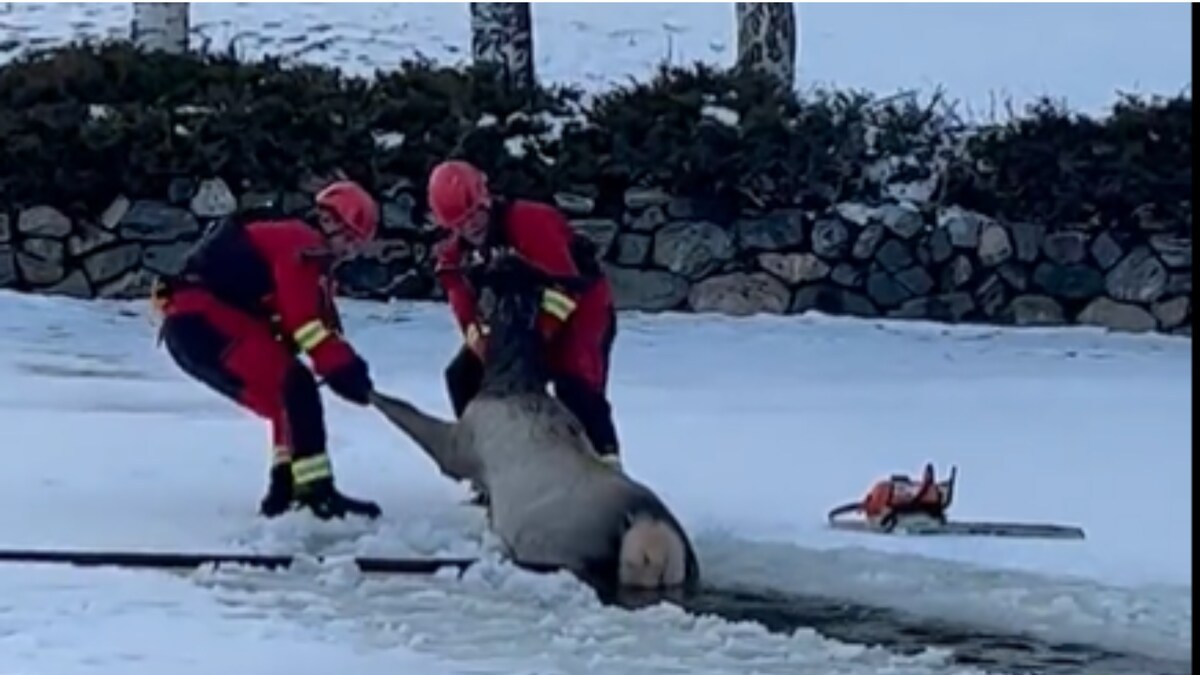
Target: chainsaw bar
x,y
922,526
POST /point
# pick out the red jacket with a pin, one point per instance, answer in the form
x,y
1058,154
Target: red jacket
x,y
537,232
279,270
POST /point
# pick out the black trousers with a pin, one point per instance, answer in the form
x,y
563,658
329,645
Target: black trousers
x,y
464,378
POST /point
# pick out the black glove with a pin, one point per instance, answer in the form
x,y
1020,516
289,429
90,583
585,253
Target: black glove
x,y
352,382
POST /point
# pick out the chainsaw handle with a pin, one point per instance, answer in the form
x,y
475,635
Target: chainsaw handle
x,y
950,481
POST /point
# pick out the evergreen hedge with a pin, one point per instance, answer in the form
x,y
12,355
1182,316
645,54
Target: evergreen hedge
x,y
83,123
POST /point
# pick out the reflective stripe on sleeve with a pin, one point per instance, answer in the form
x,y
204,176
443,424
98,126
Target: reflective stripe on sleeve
x,y
311,334
557,304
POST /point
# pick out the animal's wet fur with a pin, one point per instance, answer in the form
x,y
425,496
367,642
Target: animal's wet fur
x,y
553,502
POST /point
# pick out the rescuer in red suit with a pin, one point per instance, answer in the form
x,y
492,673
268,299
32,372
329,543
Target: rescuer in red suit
x,y
578,327
250,297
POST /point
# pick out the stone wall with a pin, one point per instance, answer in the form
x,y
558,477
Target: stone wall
x,y
899,258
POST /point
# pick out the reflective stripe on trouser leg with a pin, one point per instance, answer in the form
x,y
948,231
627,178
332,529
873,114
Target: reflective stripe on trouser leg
x,y
281,448
280,454
311,469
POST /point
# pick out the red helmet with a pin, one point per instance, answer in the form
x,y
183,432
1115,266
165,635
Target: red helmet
x,y
353,206
457,190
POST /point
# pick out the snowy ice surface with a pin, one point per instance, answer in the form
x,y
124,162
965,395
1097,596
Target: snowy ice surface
x,y
982,53
750,429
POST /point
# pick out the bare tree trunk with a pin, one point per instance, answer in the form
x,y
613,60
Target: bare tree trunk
x,y
766,39
160,26
502,35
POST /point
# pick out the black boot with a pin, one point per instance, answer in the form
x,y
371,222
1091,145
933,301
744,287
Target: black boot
x,y
279,491
325,502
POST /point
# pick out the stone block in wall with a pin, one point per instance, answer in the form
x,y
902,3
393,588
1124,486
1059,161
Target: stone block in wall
x,y
1066,248
1149,220
646,290
963,226
995,246
856,213
633,249
692,249
213,199
600,231
848,275
884,290
133,284
1139,277
180,190
1106,251
157,222
794,268
8,266
774,232
894,255
115,212
108,264
1027,240
43,221
957,273
375,272
901,219
88,238
397,214
868,241
1171,313
648,220
39,271
1015,275
916,280
49,250
1072,282
573,204
1176,252
740,294
1034,310
685,208
831,238
991,296
1108,313
5,229
951,307
1179,284
637,199
295,203
935,249
258,202
833,301
74,285
166,258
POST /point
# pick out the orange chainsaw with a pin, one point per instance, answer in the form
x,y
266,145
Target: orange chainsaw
x,y
901,504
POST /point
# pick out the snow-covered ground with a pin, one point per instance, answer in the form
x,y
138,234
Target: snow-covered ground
x,y
982,53
750,428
